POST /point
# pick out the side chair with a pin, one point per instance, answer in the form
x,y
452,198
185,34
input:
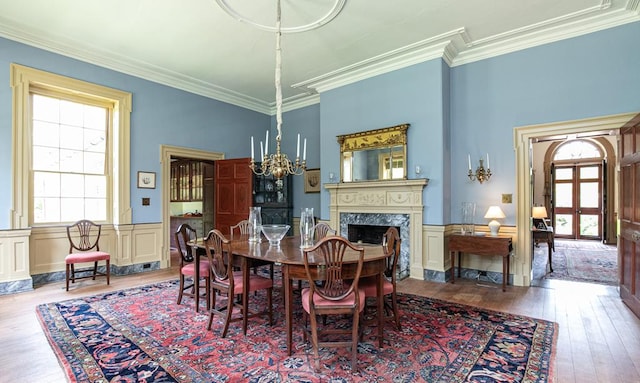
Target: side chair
x,y
183,235
321,230
84,247
391,242
241,230
337,296
226,281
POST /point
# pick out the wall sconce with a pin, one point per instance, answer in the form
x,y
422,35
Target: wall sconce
x,y
481,174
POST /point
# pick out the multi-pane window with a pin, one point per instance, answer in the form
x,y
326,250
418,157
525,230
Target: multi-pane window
x,y
69,161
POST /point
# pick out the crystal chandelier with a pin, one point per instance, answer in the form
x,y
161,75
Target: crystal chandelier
x,y
278,164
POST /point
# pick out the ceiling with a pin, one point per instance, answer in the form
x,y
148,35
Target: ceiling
x,y
196,46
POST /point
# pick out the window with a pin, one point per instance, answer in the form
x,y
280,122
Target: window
x,y
70,173
70,150
578,149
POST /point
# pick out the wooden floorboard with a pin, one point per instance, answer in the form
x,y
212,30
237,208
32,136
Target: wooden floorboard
x,y
598,337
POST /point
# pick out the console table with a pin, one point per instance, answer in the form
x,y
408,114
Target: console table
x,y
545,235
481,245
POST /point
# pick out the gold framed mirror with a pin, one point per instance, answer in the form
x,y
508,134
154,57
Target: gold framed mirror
x,y
373,155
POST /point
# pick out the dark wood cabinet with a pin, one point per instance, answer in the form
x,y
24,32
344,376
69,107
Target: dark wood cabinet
x,y
275,198
187,180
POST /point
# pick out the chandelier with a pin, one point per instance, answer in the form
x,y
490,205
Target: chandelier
x,y
278,164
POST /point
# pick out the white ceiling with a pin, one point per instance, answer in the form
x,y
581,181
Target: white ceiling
x,y
194,45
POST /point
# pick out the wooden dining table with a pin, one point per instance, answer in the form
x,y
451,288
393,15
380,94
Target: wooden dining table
x,y
289,255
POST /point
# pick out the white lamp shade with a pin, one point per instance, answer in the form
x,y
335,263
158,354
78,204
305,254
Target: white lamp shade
x,y
494,213
539,212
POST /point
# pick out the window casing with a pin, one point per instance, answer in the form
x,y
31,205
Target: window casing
x,y
27,82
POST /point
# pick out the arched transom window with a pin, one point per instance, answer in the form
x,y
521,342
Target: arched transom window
x,y
577,149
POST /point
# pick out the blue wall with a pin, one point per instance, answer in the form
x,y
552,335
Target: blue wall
x,y
160,115
587,76
412,95
469,109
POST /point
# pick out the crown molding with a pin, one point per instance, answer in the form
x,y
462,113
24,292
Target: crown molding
x,y
397,59
110,60
455,47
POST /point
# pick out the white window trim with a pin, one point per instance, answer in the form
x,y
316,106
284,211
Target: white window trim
x,y
22,78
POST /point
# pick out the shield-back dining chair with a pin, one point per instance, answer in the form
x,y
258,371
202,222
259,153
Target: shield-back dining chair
x,y
183,235
226,281
391,242
84,247
336,296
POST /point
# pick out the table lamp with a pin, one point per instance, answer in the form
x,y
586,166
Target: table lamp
x,y
493,214
539,213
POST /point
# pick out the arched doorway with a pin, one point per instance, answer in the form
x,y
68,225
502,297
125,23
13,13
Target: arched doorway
x,y
580,184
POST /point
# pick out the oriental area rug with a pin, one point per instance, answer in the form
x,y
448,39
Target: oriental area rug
x,y
142,335
581,261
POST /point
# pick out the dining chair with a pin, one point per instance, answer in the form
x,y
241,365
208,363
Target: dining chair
x,y
321,230
226,281
241,230
336,296
84,247
391,242
183,236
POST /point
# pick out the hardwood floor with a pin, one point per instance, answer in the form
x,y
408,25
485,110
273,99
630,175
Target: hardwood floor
x,y
598,337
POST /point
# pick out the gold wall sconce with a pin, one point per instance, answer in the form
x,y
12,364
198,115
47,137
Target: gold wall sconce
x,y
481,174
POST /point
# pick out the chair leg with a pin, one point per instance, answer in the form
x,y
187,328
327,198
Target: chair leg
x,y
269,303
108,271
213,307
73,273
314,340
95,270
354,342
394,305
228,316
67,273
181,288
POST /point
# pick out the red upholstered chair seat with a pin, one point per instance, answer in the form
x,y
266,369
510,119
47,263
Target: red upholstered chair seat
x,y
370,287
256,283
190,270
89,256
321,302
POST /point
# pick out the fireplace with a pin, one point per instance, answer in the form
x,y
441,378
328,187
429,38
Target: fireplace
x,y
383,203
371,234
371,226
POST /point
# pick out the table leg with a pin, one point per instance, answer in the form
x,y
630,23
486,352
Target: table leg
x,y
380,313
452,254
288,308
505,271
550,246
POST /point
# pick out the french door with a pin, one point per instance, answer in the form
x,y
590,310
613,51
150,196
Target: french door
x,y
578,201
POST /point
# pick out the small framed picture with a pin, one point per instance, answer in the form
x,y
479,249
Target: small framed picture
x,y
146,180
312,181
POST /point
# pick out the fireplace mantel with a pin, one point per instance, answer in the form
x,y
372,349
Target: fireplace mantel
x,y
384,197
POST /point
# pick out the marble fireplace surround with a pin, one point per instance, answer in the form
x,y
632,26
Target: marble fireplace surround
x,y
384,203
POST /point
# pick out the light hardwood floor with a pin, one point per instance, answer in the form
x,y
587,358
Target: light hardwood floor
x,y
598,337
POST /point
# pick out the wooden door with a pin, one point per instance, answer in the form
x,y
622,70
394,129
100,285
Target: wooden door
x,y
233,191
629,242
578,203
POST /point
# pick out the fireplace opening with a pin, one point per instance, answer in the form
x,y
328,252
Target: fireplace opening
x,y
371,234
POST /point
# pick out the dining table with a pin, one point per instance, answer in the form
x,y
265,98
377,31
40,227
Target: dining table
x,y
289,256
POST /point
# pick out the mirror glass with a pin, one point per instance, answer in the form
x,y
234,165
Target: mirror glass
x,y
379,154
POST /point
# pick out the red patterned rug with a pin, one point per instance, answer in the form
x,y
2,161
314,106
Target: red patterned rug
x,y
141,335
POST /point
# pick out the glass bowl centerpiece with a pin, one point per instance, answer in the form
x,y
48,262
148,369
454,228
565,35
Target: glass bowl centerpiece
x,y
275,233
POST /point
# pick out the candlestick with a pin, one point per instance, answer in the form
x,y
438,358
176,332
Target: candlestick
x,y
488,166
298,147
261,152
252,148
266,144
469,159
304,150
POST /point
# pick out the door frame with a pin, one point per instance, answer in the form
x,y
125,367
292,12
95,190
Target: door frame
x,y
166,152
522,145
